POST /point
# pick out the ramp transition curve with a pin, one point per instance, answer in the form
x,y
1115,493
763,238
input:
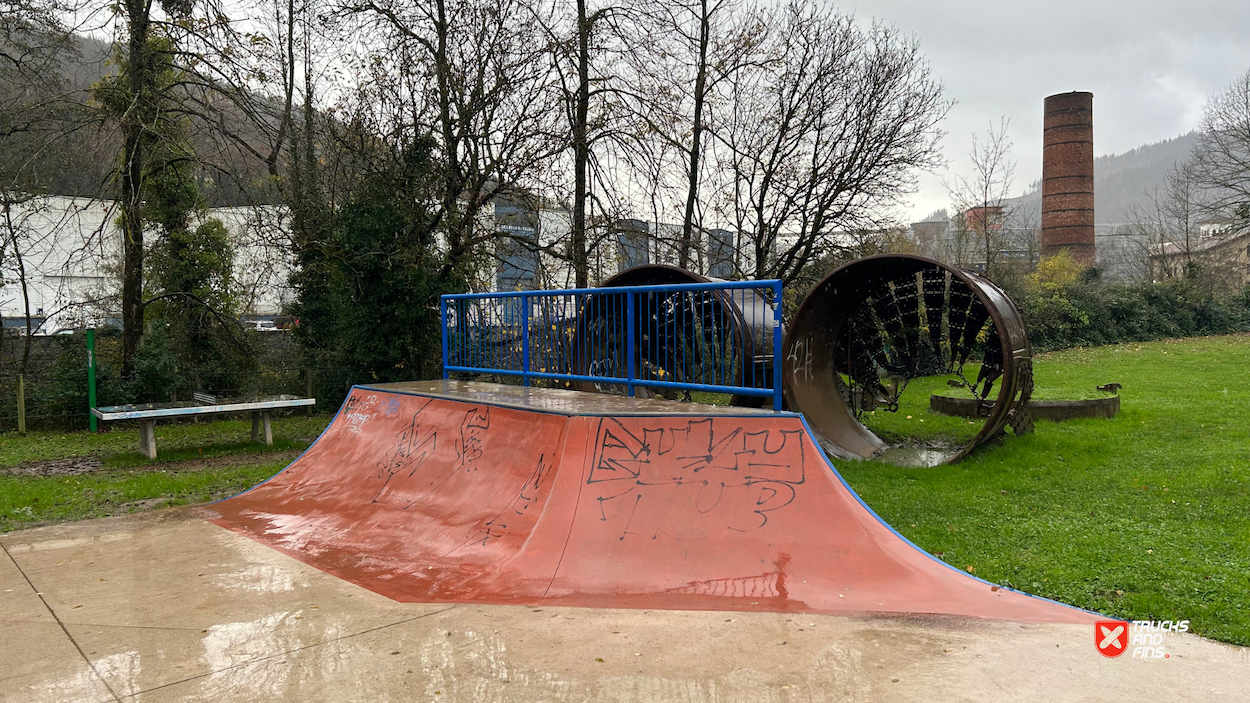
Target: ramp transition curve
x,y
433,499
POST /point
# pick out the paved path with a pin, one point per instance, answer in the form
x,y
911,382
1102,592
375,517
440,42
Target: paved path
x,y
165,606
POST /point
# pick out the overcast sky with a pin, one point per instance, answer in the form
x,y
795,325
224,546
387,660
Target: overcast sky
x,y
1151,64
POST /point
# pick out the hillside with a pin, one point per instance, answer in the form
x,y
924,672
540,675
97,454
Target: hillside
x,y
1121,181
75,149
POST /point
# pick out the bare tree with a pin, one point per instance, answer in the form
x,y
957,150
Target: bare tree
x,y
822,134
589,43
34,112
979,199
475,75
1024,231
692,48
14,235
182,77
237,89
1222,155
1170,224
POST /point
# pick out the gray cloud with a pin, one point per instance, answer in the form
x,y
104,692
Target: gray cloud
x,y
1150,64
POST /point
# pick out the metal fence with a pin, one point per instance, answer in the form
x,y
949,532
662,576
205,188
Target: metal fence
x,y
721,337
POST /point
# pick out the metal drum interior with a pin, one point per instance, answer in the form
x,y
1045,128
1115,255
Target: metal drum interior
x,y
873,325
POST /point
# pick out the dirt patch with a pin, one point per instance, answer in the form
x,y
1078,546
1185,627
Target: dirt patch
x,y
56,467
89,465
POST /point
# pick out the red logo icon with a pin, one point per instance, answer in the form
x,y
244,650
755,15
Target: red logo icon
x,y
1111,638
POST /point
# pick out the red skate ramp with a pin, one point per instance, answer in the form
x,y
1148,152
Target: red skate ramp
x,y
427,496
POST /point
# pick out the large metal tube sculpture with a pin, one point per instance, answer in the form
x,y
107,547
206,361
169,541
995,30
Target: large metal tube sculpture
x,y
729,331
875,323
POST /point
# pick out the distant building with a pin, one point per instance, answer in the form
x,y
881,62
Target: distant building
x,y
1219,257
72,256
988,219
927,234
1123,253
532,247
71,252
960,241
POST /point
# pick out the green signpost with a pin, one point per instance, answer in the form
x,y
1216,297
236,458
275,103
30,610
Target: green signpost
x,y
91,378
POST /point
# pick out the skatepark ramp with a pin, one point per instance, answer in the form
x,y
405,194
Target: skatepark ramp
x,y
452,491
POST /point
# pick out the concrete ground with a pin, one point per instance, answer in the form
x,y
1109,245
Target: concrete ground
x,y
164,606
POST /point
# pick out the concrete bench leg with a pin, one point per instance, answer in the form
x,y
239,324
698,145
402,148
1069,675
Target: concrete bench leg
x,y
255,425
147,437
268,428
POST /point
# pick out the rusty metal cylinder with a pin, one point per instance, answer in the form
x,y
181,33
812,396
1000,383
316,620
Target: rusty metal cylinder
x,y
1068,177
903,316
745,315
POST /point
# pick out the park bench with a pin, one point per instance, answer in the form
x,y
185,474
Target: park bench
x,y
202,404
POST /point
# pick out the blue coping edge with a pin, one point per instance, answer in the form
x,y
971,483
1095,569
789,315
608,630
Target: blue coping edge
x,y
810,435
914,546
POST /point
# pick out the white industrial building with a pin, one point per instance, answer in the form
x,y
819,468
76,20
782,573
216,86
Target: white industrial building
x,y
70,252
69,256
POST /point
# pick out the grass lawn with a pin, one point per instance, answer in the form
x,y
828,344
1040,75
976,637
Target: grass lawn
x,y
118,442
197,462
1143,516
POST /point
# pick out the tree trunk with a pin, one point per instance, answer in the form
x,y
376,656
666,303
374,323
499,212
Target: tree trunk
x,y
457,226
581,150
988,249
696,138
21,277
288,86
133,156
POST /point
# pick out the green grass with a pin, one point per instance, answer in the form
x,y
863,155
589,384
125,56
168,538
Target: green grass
x,y
129,481
26,501
119,442
711,398
1143,516
914,423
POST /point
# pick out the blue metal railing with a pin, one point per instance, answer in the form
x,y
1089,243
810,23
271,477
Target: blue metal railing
x,y
721,337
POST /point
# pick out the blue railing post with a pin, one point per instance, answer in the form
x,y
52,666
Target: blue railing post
x,y
629,343
442,307
777,345
525,340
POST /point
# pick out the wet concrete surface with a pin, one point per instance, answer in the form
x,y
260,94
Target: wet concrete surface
x,y
167,607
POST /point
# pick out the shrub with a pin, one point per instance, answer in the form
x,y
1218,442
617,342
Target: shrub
x,y
1061,311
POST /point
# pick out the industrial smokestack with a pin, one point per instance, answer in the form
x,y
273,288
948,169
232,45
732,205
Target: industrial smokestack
x,y
1068,176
